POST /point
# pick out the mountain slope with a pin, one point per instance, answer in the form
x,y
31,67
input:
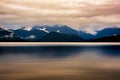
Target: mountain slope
x,y
100,34
58,28
32,35
6,35
108,32
114,38
58,33
61,37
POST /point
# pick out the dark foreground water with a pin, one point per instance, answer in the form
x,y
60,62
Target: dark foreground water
x,y
60,63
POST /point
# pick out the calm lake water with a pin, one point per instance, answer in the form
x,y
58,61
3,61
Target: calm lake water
x,y
60,63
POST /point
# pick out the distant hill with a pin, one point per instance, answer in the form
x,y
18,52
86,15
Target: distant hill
x,y
6,35
38,32
32,35
61,37
58,33
114,38
4,32
57,28
100,34
108,32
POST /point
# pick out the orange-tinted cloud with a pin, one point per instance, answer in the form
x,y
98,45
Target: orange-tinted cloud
x,y
70,12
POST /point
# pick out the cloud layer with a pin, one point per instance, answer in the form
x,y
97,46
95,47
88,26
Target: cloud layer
x,y
75,13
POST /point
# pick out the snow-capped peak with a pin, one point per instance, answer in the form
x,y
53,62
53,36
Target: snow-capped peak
x,y
24,28
30,37
27,28
43,29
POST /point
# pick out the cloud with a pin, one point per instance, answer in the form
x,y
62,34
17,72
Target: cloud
x,y
70,12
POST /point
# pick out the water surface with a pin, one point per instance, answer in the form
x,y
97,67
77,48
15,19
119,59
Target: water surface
x,y
60,63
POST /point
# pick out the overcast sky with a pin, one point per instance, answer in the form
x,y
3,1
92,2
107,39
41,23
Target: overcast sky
x,y
75,13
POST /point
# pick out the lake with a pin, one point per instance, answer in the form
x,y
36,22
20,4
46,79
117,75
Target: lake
x,y
60,62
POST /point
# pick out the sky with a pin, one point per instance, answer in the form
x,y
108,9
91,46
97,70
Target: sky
x,y
78,14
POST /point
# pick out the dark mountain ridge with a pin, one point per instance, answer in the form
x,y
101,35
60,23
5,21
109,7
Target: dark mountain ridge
x,y
6,35
61,37
58,33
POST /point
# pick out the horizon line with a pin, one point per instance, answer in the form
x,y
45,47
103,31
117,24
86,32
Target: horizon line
x,y
12,44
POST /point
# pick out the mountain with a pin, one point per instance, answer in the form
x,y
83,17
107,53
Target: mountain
x,y
61,37
6,35
37,32
57,28
100,34
114,38
108,32
57,33
4,32
86,35
30,35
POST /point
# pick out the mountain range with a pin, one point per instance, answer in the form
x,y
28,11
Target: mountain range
x,y
58,33
6,35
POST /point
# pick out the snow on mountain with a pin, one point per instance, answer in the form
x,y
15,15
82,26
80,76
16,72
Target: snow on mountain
x,y
42,29
30,37
100,33
58,31
38,32
27,28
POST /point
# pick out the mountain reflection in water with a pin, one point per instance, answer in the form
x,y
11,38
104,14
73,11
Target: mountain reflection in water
x,y
60,63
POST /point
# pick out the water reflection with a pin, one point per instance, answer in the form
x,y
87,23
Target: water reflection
x,y
61,51
60,63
